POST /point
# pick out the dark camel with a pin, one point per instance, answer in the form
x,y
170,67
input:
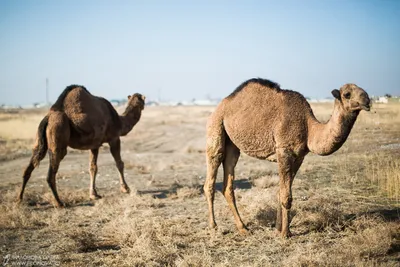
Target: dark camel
x,y
266,122
83,121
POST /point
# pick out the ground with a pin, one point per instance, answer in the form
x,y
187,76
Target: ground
x,y
346,207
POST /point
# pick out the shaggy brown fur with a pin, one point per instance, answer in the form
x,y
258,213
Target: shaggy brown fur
x,y
266,122
81,120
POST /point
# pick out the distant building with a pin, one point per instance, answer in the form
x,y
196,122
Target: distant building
x,y
382,99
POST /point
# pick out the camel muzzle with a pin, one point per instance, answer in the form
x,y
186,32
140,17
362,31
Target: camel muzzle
x,y
366,107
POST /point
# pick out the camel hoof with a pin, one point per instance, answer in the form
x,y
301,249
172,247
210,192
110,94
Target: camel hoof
x,y
213,225
95,197
125,189
60,205
244,231
286,235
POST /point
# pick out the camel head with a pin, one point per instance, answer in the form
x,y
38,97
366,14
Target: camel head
x,y
136,100
352,98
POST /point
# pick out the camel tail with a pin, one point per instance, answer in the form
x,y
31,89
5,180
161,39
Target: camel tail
x,y
39,151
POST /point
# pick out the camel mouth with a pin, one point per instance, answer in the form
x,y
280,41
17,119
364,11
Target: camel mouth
x,y
365,107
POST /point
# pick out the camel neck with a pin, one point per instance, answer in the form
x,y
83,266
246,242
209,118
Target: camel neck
x,y
129,118
326,138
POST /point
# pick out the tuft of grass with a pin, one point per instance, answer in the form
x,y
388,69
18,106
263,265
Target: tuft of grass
x,y
266,181
384,172
188,192
320,213
381,170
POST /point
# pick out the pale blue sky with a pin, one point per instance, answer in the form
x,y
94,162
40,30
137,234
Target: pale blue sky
x,y
190,49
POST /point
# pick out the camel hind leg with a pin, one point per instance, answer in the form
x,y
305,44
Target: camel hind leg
x,y
232,154
27,175
214,156
58,134
38,153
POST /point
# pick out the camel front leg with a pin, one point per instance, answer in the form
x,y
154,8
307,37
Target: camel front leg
x,y
93,154
115,149
288,163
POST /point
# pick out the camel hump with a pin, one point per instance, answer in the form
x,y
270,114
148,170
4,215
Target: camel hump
x,y
263,82
59,104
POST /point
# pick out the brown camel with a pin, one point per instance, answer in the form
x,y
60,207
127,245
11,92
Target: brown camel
x,y
266,122
83,121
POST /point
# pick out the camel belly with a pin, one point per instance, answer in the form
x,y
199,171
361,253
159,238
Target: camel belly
x,y
254,143
261,155
84,141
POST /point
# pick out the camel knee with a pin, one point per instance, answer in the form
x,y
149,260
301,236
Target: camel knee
x,y
215,150
208,189
120,165
28,171
229,195
215,158
93,168
51,182
286,201
228,192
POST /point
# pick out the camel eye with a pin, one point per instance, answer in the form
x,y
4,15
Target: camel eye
x,y
347,95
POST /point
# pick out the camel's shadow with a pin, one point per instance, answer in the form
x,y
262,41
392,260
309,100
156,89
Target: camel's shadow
x,y
46,205
237,184
164,193
388,215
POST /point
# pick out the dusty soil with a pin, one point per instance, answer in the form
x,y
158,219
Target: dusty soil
x,y
340,215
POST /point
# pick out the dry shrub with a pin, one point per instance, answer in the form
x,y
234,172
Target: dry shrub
x,y
82,241
384,171
188,192
320,213
14,215
266,181
142,169
201,257
136,201
191,149
380,169
147,241
68,197
259,206
367,240
372,241
74,197
18,216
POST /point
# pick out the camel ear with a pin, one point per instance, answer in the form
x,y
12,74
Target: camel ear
x,y
336,93
129,96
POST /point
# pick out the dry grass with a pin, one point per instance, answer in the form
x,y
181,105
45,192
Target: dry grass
x,y
345,210
384,171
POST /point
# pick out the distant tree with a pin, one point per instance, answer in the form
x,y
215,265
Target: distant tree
x,y
388,95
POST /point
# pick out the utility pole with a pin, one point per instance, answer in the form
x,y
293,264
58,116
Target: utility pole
x,y
47,91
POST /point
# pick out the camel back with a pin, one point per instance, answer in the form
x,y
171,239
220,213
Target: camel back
x,y
59,104
264,82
